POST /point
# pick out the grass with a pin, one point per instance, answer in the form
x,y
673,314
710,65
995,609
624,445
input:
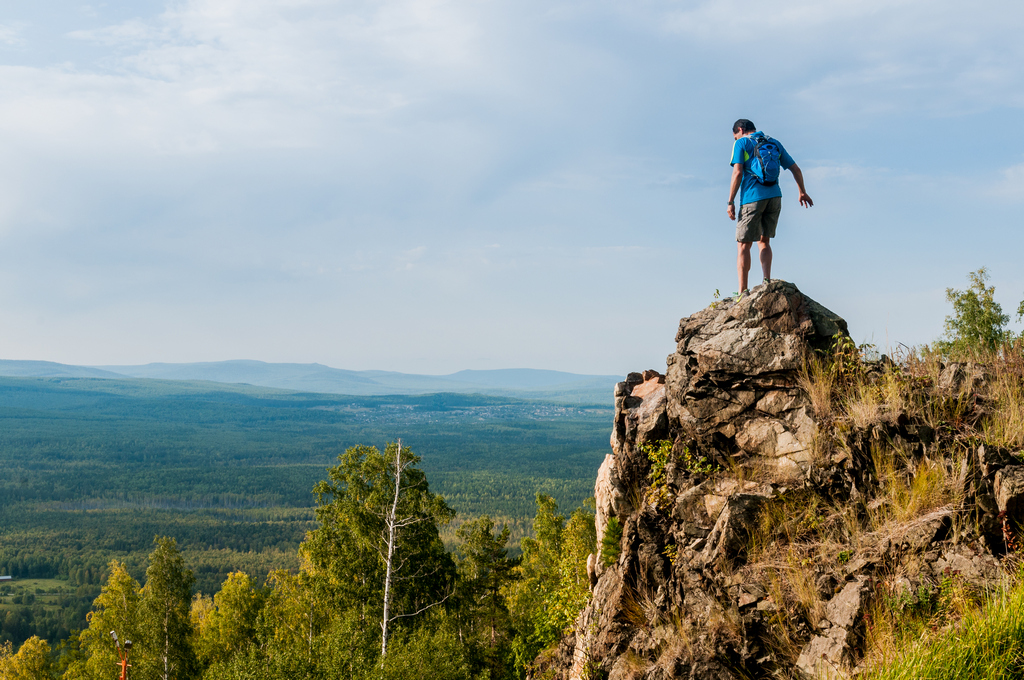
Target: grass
x,y
952,638
911,488
803,541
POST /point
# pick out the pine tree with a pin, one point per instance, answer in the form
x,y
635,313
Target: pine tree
x,y
484,569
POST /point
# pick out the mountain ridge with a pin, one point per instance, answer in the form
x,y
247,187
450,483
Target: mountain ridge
x,y
315,377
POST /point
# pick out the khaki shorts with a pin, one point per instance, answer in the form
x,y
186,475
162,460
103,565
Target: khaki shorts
x,y
758,220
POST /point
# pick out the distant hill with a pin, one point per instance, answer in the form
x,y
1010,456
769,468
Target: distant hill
x,y
518,382
50,369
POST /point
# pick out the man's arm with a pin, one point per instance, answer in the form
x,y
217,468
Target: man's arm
x,y
734,187
805,200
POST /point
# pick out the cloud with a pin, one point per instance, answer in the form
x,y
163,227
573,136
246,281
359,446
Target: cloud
x,y
855,58
1009,186
375,159
11,34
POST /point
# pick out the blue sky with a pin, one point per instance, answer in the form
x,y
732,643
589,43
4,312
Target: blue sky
x,y
428,186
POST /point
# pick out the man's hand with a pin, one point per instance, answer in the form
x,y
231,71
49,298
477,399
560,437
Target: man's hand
x,y
805,200
731,212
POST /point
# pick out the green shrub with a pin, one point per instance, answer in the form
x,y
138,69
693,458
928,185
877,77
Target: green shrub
x,y
611,542
977,324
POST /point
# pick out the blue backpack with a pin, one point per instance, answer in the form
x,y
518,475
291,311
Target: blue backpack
x,y
765,164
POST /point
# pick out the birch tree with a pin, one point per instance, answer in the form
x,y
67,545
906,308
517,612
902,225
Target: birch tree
x,y
165,622
117,609
378,543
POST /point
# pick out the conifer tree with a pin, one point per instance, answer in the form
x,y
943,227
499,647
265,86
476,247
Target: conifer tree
x,y
484,569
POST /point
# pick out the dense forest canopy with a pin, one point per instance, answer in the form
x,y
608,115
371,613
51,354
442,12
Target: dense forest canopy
x,y
94,469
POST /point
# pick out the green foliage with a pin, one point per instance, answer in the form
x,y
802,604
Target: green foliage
x,y
552,586
659,453
978,324
697,464
117,609
844,360
93,469
225,625
611,542
430,651
484,568
671,551
348,547
164,621
32,661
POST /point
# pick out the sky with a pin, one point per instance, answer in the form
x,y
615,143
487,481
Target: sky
x,y
428,186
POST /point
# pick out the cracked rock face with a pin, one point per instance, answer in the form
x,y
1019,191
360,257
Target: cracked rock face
x,y
734,378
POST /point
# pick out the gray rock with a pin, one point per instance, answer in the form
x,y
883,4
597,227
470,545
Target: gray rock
x,y
847,608
1009,488
924,531
824,658
651,417
729,536
734,377
609,495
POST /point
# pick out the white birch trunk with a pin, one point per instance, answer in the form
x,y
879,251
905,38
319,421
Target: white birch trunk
x,y
391,523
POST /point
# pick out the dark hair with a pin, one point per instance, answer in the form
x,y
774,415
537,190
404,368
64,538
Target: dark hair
x,y
743,125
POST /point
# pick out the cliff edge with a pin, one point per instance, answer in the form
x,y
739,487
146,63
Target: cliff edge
x,y
767,489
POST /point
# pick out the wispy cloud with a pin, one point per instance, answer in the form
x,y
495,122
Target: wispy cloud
x,y
364,156
11,34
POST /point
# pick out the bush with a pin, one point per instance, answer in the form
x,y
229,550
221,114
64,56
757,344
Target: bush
x,y
611,542
978,324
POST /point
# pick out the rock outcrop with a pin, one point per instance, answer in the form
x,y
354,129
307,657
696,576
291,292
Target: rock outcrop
x,y
749,447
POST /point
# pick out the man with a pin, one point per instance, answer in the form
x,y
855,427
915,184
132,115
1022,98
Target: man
x,y
760,204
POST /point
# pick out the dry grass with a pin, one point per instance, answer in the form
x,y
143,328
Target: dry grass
x,y
819,383
640,609
911,488
802,537
1006,390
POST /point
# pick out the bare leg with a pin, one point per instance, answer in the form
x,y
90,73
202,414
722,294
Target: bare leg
x,y
765,253
743,263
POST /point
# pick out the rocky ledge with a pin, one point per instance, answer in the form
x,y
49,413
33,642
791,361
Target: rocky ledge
x,y
706,454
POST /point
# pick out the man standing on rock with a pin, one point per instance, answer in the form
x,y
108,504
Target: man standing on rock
x,y
756,162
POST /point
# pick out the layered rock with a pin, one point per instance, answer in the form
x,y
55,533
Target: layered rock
x,y
680,600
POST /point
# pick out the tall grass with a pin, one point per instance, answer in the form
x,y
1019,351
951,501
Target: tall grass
x,y
987,643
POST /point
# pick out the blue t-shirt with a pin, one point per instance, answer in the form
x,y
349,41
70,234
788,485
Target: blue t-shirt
x,y
751,190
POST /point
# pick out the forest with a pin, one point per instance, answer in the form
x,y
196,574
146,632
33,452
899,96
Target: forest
x,y
94,469
377,595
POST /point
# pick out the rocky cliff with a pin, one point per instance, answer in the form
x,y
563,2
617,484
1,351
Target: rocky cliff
x,y
769,487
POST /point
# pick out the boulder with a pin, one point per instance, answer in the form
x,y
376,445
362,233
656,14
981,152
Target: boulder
x,y
728,538
1009,489
733,382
